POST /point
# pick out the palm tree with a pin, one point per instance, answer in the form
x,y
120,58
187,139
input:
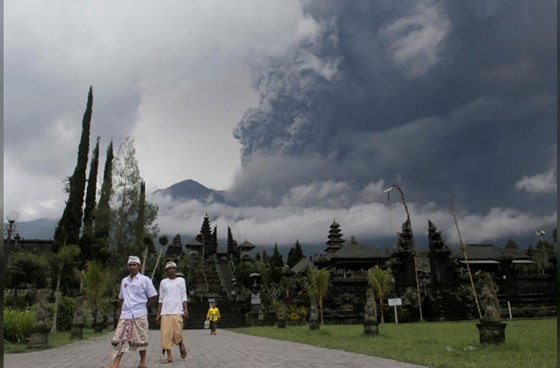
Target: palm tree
x,y
318,286
381,282
65,256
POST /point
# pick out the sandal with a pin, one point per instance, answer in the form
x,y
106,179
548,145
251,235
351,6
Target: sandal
x,y
165,361
183,350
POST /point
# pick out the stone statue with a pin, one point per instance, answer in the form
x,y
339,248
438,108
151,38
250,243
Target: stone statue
x,y
370,310
78,320
79,317
489,300
255,298
491,328
313,311
281,315
313,316
40,331
41,317
260,319
371,327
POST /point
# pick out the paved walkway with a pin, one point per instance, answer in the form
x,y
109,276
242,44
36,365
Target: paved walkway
x,y
226,349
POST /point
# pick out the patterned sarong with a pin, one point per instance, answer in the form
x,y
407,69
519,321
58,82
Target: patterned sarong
x,y
130,335
171,330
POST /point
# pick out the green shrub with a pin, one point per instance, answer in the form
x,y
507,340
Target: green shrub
x,y
66,307
17,324
297,314
409,311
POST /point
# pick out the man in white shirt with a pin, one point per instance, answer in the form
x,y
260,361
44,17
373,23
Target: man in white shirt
x,y
171,309
136,295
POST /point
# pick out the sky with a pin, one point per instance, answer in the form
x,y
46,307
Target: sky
x,y
304,112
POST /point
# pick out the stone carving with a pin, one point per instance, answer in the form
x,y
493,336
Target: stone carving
x,y
41,318
281,315
489,300
40,331
370,310
313,316
79,317
78,320
491,328
371,327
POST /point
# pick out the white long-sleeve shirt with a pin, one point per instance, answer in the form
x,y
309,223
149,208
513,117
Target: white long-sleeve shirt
x,y
172,294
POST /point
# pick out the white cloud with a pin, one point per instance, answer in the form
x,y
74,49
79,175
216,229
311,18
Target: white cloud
x,y
500,222
540,183
286,223
41,198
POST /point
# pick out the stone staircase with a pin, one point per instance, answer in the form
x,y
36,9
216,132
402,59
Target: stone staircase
x,y
218,278
451,309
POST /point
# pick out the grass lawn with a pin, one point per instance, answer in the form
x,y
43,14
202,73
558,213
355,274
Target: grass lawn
x,y
55,340
529,343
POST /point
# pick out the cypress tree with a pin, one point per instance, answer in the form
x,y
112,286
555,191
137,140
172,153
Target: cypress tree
x,y
140,218
86,242
231,243
265,257
511,244
276,259
68,228
102,223
295,255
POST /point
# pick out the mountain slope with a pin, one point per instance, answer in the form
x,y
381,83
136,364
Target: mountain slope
x,y
190,189
42,228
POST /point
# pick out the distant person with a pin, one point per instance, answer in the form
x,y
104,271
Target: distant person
x,y
136,295
213,316
171,309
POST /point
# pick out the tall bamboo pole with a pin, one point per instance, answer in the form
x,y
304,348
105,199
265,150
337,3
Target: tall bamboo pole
x,y
413,245
463,248
157,262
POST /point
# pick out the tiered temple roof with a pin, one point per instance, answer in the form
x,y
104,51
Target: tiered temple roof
x,y
175,248
335,241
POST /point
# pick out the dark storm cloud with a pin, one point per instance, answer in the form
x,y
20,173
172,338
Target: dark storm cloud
x,y
447,96
341,99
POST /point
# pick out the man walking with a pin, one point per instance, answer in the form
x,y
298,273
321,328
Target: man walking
x,y
171,309
136,295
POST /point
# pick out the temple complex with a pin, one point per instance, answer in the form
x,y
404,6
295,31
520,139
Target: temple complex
x,y
440,275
